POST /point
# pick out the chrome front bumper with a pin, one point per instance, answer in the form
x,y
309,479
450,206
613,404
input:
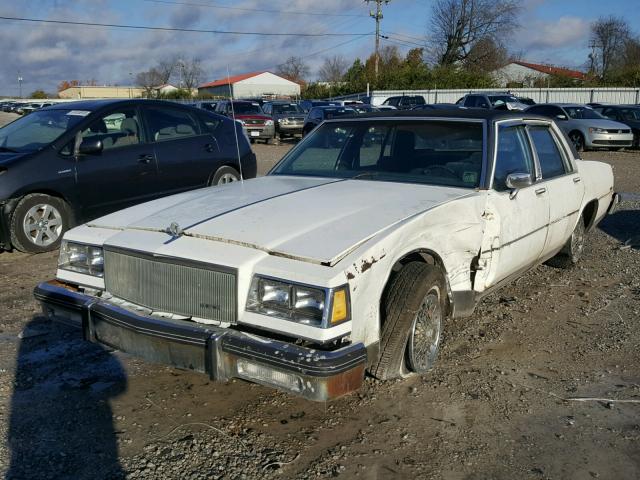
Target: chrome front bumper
x,y
222,353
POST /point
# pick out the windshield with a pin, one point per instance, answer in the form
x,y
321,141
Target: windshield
x,y
288,108
330,113
38,129
502,99
430,152
247,108
581,113
630,113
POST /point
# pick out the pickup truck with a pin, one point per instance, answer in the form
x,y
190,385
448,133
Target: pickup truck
x,y
346,259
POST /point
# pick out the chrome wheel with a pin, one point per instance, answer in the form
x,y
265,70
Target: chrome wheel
x,y
424,337
42,225
227,178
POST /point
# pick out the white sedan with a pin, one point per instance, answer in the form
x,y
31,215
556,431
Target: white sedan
x,y
347,258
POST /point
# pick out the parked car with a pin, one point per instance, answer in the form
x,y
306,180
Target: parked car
x,y
404,102
492,100
365,108
257,125
67,164
585,127
627,114
317,115
384,108
344,259
287,117
32,107
206,105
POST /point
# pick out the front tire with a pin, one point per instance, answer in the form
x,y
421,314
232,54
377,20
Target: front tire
x,y
578,141
571,253
413,311
225,175
38,223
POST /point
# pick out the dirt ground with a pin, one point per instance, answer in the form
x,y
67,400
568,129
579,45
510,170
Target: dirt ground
x,y
500,404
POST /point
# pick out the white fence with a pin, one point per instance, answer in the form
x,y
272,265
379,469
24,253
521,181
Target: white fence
x,y
539,95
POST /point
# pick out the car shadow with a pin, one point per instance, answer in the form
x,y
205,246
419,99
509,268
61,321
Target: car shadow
x,y
624,226
61,424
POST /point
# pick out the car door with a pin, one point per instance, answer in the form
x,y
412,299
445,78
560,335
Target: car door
x,y
124,172
186,154
563,184
516,222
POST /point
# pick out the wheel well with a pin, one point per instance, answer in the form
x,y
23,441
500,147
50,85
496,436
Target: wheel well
x,y
51,193
589,214
424,256
226,164
576,131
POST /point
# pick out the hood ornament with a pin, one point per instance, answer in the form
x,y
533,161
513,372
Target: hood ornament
x,y
174,229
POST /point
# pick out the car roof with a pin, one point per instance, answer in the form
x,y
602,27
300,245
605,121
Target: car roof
x,y
92,105
471,114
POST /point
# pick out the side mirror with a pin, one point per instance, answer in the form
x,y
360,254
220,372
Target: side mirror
x,y
516,181
90,146
561,117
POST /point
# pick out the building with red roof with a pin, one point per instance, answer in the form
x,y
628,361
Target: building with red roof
x,y
251,85
528,74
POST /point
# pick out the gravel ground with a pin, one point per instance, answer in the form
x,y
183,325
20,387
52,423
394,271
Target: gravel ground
x,y
499,404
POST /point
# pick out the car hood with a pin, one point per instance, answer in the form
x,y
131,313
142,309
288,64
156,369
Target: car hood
x,y
317,220
602,123
252,116
297,116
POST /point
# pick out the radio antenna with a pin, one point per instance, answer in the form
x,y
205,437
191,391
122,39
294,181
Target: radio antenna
x,y
235,127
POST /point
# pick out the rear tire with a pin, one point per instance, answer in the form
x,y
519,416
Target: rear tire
x,y
571,253
38,223
225,175
413,311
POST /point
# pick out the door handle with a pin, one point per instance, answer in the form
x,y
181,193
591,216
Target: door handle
x,y
576,179
209,147
540,191
145,158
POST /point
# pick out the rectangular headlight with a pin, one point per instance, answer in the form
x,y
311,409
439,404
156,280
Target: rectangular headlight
x,y
85,259
597,130
315,306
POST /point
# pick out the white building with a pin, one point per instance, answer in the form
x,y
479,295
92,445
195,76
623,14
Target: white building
x,y
251,85
526,74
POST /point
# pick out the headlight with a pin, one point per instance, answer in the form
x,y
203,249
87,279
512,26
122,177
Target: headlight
x,y
268,123
86,259
597,130
318,307
283,121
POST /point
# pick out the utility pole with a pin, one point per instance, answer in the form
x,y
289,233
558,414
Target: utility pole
x,y
377,16
20,84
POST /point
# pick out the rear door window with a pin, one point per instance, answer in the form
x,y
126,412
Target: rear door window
x,y
552,161
170,123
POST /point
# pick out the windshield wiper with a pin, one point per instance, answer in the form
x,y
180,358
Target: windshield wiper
x,y
7,149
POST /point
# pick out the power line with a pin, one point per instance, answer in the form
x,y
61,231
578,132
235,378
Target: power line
x,y
175,29
406,42
329,48
245,9
420,39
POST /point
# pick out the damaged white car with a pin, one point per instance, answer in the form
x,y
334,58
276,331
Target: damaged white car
x,y
347,258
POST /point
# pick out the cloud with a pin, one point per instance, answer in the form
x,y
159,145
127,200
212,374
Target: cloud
x,y
565,32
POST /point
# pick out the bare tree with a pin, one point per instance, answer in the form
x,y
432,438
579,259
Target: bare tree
x,y
333,69
191,73
609,37
166,69
293,69
486,56
149,80
457,25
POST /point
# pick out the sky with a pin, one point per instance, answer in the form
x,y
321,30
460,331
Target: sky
x,y
551,31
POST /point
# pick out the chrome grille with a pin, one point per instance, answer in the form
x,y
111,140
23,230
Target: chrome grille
x,y
170,285
251,121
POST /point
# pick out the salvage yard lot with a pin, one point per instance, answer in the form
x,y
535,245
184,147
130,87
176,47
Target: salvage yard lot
x,y
499,404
